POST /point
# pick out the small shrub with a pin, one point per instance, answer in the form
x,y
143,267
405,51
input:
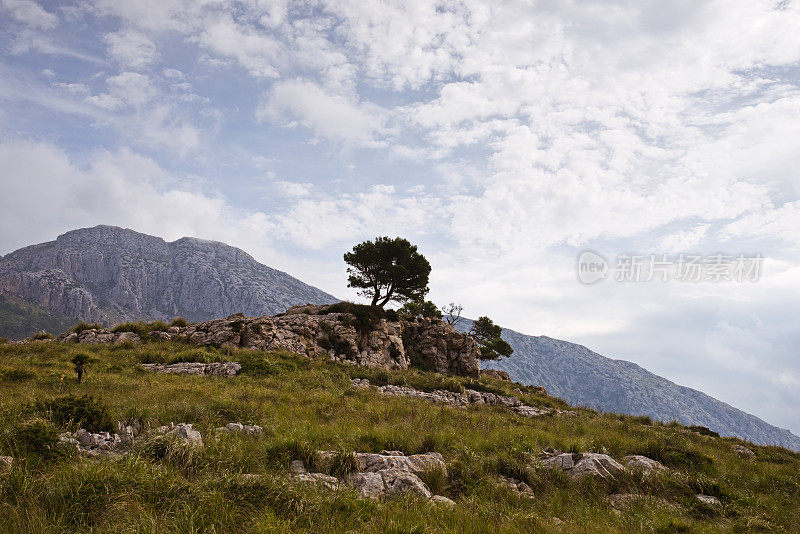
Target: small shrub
x,y
179,322
81,326
236,326
344,464
41,336
705,431
16,375
77,412
141,329
38,437
435,478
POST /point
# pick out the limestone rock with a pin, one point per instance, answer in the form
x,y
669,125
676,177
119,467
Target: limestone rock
x,y
297,467
642,464
708,499
317,479
440,344
184,432
388,483
6,463
517,486
196,368
583,464
415,463
441,499
743,451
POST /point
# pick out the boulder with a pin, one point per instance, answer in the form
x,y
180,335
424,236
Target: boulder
x,y
441,499
317,479
184,432
583,464
388,483
415,463
445,349
710,500
296,467
6,463
743,451
642,464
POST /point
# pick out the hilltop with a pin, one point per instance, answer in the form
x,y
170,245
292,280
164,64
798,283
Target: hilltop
x,y
173,435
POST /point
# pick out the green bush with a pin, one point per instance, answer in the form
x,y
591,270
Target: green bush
x,y
37,436
179,322
81,326
705,431
16,375
141,329
41,335
77,412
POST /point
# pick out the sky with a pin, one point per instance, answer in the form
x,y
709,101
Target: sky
x,y
502,137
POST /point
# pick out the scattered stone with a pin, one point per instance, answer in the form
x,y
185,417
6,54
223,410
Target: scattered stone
x,y
388,483
451,398
517,486
743,451
360,383
708,499
317,479
250,430
196,368
185,433
297,467
441,499
127,337
6,463
642,464
588,463
415,463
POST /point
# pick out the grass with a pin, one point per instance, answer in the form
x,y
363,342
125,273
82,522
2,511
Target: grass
x,y
308,404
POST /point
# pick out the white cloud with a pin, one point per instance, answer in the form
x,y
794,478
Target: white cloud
x,y
30,13
130,48
293,189
335,117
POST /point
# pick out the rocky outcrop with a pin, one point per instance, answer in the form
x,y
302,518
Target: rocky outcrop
x,y
642,464
248,430
377,476
743,451
196,368
312,330
468,398
583,464
442,348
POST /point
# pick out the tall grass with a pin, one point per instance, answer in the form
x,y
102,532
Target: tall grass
x,y
306,405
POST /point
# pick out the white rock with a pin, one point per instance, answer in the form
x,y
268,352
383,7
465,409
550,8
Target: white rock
x,y
708,499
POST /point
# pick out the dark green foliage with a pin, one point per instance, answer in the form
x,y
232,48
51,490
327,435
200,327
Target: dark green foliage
x,y
36,437
236,326
81,326
16,375
704,431
20,319
388,270
141,329
414,309
77,412
38,336
179,321
344,463
487,334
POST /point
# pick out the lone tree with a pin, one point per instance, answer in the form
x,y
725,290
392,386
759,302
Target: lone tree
x,y
80,361
487,334
452,313
388,269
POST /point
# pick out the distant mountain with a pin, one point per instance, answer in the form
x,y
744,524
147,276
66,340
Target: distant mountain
x,y
582,377
107,274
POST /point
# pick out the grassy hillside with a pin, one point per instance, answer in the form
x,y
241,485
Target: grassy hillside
x,y
307,404
19,318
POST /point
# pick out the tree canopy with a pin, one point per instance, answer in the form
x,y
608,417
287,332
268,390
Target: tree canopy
x,y
416,309
487,334
388,269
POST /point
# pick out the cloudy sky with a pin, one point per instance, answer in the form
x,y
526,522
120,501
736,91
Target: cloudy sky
x,y
503,137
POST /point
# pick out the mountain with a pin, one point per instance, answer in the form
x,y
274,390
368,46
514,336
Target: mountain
x,y
582,377
107,274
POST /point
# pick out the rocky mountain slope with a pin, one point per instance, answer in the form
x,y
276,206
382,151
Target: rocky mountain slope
x,y
108,274
582,377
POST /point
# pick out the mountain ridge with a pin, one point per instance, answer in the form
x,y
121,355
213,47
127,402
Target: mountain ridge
x,y
581,376
109,274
